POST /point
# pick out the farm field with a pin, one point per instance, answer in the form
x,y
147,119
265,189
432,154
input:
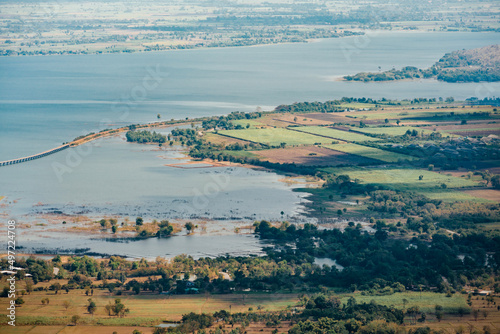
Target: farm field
x,y
145,310
79,329
311,156
370,152
335,134
405,178
400,130
275,136
254,123
408,180
222,140
426,301
393,113
488,194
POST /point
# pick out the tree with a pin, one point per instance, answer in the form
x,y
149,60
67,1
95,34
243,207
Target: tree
x,y
19,301
119,308
56,287
495,181
29,285
91,308
413,312
405,301
139,221
189,226
461,311
475,314
109,308
75,319
66,304
114,228
420,177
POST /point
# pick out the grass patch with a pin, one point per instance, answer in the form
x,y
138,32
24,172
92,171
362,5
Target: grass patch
x,y
404,178
244,122
357,105
408,180
275,136
450,195
336,134
399,131
426,301
489,226
145,310
240,154
431,113
370,152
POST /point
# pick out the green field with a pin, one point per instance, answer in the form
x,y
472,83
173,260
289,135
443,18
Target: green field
x,y
472,129
405,178
412,114
408,180
244,122
357,105
398,130
336,134
275,136
426,301
370,152
145,310
240,154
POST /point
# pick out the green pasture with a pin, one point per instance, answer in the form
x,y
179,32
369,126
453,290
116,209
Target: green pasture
x,y
426,301
276,136
370,152
335,134
407,179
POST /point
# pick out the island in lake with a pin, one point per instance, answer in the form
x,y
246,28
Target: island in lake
x,y
482,64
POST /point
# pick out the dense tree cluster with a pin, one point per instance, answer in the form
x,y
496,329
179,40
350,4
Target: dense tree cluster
x,y
224,122
145,136
458,66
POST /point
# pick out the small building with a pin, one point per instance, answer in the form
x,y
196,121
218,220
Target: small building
x,y
191,291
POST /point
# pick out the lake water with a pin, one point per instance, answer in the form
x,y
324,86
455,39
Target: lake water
x,y
45,101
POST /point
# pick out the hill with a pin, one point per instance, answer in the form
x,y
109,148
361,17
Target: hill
x,y
482,64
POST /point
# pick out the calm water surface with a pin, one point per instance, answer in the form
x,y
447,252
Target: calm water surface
x,y
45,101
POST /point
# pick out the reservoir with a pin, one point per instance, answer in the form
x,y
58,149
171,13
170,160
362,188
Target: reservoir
x,y
45,101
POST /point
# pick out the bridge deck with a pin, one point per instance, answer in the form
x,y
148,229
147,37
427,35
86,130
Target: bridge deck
x,y
34,156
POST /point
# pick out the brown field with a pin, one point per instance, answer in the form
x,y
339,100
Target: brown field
x,y
337,118
482,133
79,329
489,194
223,140
450,324
302,119
253,328
469,126
300,155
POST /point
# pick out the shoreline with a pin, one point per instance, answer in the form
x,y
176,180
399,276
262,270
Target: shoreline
x,y
357,31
